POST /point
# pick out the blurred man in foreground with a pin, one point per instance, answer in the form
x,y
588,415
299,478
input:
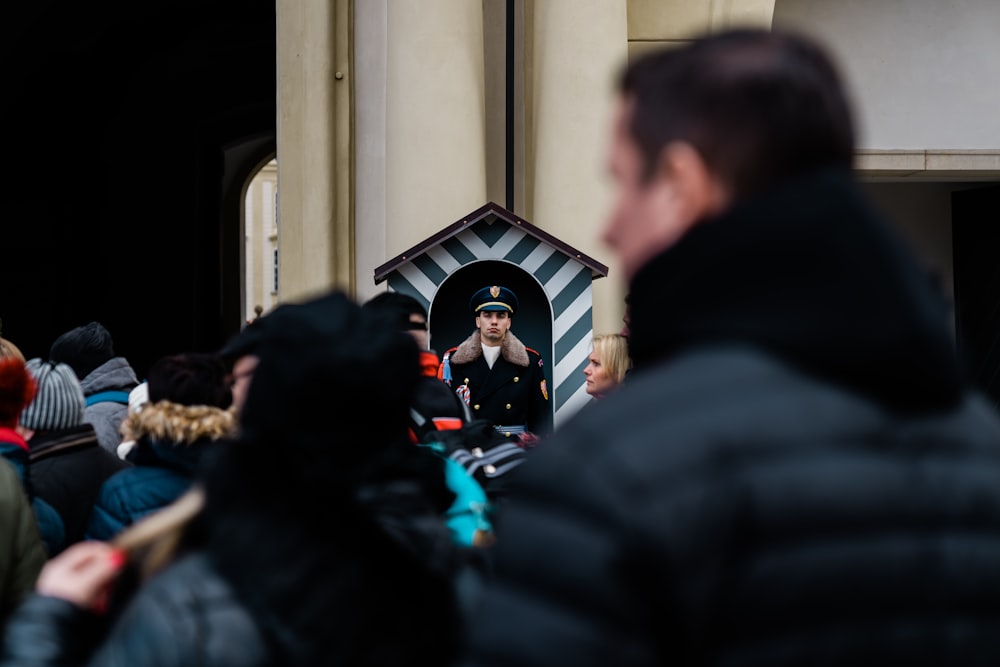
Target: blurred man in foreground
x,y
797,472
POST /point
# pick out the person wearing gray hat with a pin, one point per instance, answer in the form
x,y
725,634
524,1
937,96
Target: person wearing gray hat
x,y
500,378
66,461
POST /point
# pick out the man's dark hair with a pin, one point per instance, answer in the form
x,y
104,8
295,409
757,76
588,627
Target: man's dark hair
x,y
83,348
758,106
397,307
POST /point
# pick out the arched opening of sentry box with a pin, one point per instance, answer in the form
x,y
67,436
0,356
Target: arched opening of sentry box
x,y
452,321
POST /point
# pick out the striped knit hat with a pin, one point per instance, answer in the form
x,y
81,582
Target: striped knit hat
x,y
59,402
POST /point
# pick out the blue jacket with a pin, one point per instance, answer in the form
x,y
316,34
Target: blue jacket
x,y
170,442
50,526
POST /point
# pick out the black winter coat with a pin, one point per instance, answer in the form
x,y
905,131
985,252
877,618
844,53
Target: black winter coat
x,y
68,468
793,475
512,393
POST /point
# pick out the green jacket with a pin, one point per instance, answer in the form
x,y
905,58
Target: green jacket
x,y
21,552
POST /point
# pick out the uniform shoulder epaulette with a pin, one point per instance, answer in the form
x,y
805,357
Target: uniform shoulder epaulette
x,y
532,350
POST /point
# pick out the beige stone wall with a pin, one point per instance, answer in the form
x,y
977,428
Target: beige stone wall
x,y
922,73
435,153
654,24
315,149
418,85
578,46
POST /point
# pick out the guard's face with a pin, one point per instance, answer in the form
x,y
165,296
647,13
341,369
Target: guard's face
x,y
645,218
493,326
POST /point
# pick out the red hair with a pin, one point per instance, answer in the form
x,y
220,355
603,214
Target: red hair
x,y
17,389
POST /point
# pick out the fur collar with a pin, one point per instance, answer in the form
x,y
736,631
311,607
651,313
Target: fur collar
x,y
511,349
172,422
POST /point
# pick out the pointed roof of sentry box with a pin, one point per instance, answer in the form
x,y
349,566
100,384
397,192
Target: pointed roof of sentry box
x,y
483,222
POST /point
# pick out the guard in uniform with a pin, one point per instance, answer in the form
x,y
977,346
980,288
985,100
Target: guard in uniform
x,y
500,379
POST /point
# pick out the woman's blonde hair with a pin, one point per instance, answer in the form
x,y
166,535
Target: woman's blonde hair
x,y
612,352
7,348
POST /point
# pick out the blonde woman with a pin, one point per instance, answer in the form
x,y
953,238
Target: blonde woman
x,y
607,365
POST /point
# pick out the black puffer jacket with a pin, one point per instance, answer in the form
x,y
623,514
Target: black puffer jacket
x,y
186,616
68,468
794,475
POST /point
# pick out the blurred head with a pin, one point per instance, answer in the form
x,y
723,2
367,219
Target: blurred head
x,y
59,401
17,388
607,364
83,349
404,312
704,126
331,377
240,356
189,379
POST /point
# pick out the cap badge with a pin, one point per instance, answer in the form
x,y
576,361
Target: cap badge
x,y
494,291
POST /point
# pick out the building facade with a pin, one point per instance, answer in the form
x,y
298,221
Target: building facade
x,y
397,116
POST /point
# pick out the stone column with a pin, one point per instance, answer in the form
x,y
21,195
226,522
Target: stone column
x,y
315,236
578,47
435,155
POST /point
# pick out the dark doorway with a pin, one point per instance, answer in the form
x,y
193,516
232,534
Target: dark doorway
x,y
451,321
124,123
976,230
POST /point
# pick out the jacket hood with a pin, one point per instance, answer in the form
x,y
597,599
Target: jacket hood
x,y
179,424
811,273
112,374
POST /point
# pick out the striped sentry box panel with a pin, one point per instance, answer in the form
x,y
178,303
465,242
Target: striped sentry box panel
x,y
565,274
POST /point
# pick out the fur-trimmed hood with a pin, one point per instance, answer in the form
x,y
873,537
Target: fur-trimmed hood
x,y
512,349
179,424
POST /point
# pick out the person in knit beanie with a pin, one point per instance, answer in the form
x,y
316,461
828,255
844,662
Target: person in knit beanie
x,y
58,402
188,412
67,464
105,377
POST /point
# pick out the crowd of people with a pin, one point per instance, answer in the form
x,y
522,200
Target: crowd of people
x,y
783,464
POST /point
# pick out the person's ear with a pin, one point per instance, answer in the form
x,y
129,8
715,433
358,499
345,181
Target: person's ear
x,y
698,192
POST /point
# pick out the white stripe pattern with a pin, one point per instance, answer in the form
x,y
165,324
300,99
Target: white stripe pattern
x,y
563,321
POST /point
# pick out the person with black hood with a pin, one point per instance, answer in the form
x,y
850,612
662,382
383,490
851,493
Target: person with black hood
x,y
319,538
187,414
797,472
106,378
